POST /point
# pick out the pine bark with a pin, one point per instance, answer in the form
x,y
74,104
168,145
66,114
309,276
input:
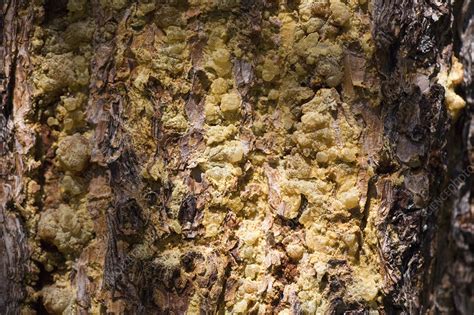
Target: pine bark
x,y
248,157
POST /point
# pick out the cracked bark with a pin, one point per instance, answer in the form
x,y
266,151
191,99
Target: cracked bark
x,y
14,105
147,185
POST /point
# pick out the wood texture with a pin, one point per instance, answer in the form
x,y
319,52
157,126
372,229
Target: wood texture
x,y
244,157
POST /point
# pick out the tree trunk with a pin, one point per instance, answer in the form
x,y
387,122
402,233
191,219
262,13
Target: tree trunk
x,y
236,156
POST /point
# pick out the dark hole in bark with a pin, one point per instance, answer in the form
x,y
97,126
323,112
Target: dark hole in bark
x,y
292,4
324,282
203,80
55,8
187,262
196,174
44,277
336,262
151,198
335,284
51,248
38,306
187,211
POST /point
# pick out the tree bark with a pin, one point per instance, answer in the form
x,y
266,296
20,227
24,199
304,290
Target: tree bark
x,y
235,156
15,143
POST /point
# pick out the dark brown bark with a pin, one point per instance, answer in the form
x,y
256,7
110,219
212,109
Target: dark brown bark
x,y
136,241
13,238
433,260
410,42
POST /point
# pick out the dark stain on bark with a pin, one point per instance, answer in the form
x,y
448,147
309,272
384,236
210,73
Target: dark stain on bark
x,y
187,210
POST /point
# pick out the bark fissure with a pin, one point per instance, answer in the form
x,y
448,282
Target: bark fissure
x,y
244,157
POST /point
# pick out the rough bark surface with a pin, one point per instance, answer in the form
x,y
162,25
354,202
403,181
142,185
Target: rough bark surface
x,y
234,156
16,141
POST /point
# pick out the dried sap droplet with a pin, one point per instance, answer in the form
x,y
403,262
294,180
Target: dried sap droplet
x,y
74,153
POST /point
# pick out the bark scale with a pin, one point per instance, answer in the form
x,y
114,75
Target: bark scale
x,y
287,157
